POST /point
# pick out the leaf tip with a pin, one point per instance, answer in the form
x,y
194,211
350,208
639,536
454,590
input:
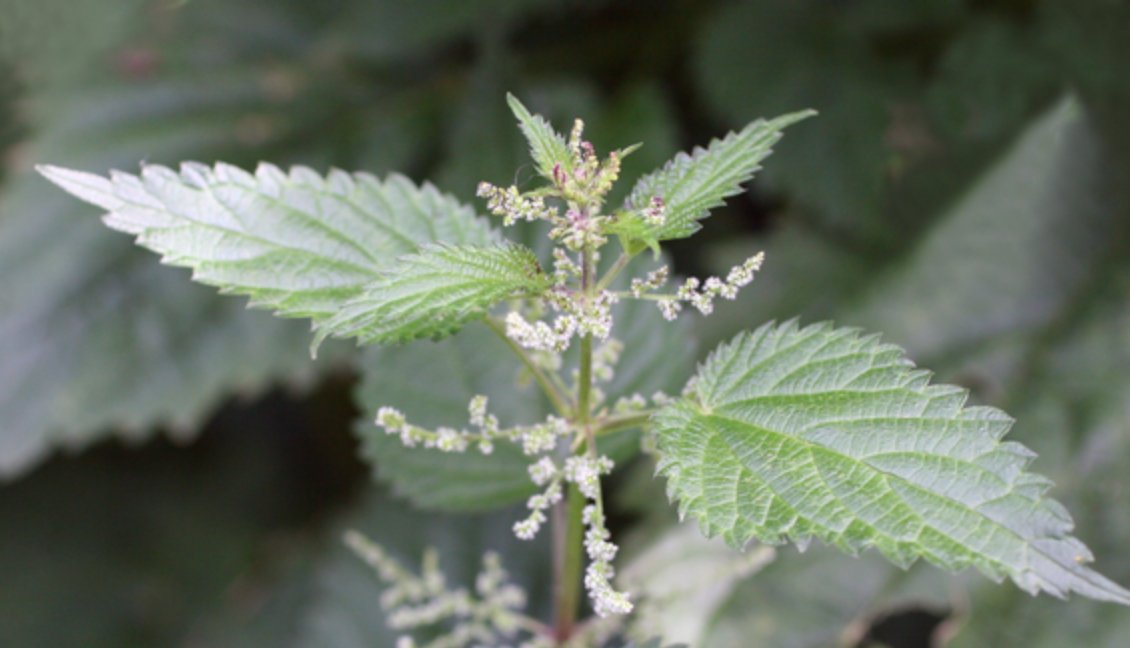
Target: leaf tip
x,y
87,187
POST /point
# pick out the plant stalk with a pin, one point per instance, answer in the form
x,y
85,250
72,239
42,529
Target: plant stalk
x,y
551,391
568,585
568,590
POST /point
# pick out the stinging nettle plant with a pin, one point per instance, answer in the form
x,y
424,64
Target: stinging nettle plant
x,y
787,432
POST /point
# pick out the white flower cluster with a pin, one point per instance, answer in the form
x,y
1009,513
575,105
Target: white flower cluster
x,y
564,267
543,473
534,439
654,281
606,601
444,439
585,472
485,618
701,295
513,206
539,336
577,317
628,404
637,403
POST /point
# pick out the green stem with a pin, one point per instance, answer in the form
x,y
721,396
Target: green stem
x,y
571,564
569,578
552,391
619,422
613,271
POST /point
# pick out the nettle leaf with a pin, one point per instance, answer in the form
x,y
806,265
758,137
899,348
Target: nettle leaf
x,y
547,146
820,432
435,292
691,185
297,243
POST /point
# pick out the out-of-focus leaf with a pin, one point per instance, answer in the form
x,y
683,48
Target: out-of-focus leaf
x,y
990,79
391,31
1009,256
681,580
818,598
51,42
768,58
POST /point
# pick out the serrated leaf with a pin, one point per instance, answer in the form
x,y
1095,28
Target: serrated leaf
x,y
433,293
691,185
297,243
87,299
819,432
547,146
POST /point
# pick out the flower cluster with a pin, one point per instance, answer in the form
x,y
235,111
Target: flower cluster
x,y
485,617
654,281
580,183
534,439
700,294
606,600
513,206
544,472
577,317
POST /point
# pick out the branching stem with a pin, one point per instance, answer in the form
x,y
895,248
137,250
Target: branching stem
x,y
609,276
552,389
617,422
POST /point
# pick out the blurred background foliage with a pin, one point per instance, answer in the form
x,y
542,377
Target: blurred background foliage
x,y
177,469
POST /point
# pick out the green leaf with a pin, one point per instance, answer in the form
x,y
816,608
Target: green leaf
x,y
297,243
87,299
691,185
433,293
819,432
547,146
